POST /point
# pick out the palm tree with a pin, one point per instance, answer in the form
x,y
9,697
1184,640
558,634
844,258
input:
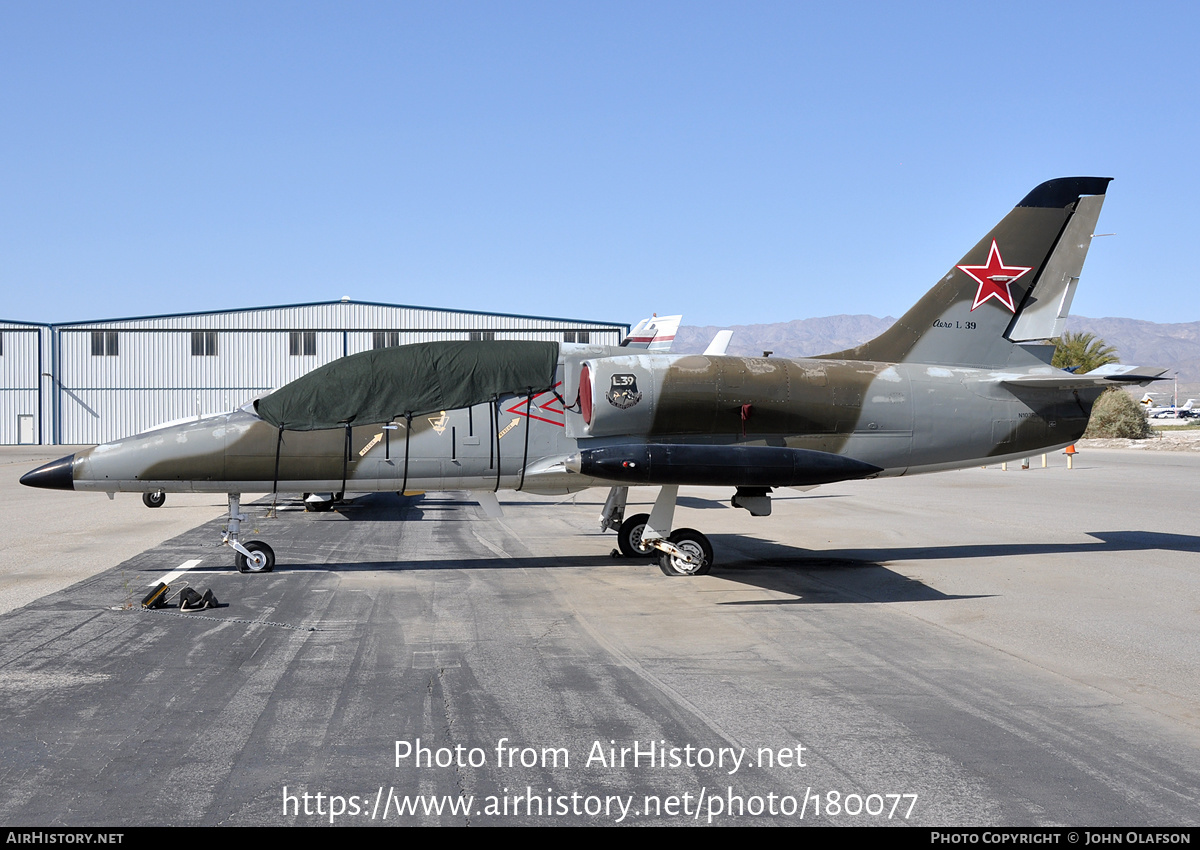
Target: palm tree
x,y
1083,350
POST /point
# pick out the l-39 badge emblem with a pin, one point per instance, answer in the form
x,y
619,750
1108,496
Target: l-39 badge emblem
x,y
623,392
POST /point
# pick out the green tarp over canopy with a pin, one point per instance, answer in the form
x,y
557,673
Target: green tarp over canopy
x,y
377,386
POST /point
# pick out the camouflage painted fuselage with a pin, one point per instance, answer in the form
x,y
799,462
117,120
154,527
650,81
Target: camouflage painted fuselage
x,y
959,380
902,418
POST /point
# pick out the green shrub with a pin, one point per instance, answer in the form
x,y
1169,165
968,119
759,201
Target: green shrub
x,y
1082,350
1116,414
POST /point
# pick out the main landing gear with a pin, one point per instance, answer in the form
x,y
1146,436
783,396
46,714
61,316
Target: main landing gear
x,y
629,537
682,552
253,556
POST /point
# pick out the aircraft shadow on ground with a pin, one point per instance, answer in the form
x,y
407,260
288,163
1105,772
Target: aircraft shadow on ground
x,y
811,576
815,577
392,507
807,580
707,504
1106,541
775,566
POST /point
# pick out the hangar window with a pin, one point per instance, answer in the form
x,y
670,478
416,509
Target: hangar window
x,y
385,339
302,343
104,343
204,343
577,336
1,345
478,336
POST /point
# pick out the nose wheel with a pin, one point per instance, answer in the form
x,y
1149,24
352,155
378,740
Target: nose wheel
x,y
154,500
260,558
253,556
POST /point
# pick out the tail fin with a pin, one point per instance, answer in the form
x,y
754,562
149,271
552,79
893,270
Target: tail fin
x,y
655,333
1015,285
720,343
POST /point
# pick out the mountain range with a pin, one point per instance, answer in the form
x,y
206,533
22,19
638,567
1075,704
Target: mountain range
x,y
1175,346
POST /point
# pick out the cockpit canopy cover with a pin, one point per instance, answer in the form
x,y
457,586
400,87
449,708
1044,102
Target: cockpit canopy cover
x,y
378,386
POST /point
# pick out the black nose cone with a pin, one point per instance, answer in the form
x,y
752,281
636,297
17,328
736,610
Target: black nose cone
x,y
55,475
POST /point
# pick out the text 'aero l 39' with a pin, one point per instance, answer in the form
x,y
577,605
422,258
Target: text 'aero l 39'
x,y
962,379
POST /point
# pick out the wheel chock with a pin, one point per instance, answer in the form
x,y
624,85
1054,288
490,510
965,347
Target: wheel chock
x,y
157,597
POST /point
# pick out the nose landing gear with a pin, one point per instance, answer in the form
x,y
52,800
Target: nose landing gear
x,y
261,558
252,557
154,500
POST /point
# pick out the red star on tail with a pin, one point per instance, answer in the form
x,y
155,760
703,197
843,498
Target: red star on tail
x,y
995,278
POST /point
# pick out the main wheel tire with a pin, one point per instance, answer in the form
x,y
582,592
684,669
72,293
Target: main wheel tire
x,y
318,507
694,544
629,537
262,558
155,499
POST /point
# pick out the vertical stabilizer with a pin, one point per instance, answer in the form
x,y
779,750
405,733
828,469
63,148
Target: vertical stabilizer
x,y
1044,313
656,333
1030,261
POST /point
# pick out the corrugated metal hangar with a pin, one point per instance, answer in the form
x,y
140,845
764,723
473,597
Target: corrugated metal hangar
x,y
93,382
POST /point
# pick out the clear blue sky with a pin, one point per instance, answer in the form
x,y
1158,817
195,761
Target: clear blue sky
x,y
736,162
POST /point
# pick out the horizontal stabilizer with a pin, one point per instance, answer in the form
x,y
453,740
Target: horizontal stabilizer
x,y
1104,376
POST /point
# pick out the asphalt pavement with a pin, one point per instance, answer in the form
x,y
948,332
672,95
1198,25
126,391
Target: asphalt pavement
x,y
980,647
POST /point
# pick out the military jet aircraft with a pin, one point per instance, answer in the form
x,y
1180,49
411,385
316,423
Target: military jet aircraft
x,y
962,379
